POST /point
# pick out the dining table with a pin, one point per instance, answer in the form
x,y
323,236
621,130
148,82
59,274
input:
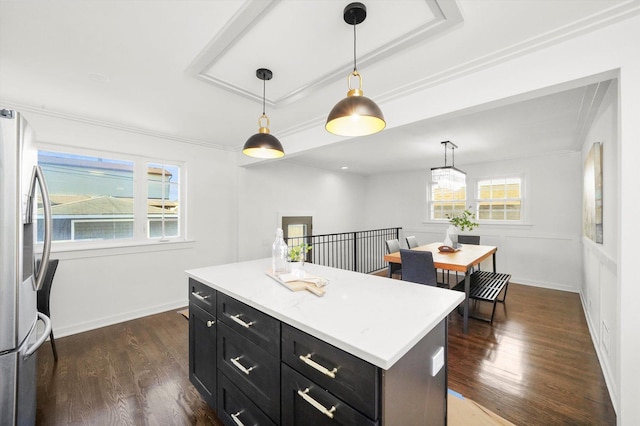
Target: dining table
x,y
463,259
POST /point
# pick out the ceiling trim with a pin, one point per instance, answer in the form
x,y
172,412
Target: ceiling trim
x,y
619,12
447,14
236,28
113,125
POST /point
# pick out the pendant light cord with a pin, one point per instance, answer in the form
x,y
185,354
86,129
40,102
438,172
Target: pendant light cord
x,y
264,84
355,69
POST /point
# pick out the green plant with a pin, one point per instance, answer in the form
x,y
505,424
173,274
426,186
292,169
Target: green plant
x,y
297,253
463,220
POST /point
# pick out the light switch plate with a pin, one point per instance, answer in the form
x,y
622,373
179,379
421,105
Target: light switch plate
x,y
437,361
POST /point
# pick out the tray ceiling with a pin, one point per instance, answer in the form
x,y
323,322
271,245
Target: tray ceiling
x,y
257,28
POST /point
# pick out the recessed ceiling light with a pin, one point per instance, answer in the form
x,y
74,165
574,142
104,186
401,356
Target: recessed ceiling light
x,y
344,167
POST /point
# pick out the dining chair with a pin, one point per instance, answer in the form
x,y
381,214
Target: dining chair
x,y
469,239
417,267
44,298
412,242
393,246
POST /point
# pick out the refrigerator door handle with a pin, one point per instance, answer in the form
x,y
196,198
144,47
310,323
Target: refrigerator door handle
x,y
38,176
47,330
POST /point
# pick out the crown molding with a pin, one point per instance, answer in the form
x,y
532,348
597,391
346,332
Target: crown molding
x,y
615,14
112,125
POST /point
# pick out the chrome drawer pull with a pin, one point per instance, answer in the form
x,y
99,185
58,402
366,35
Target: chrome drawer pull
x,y
236,419
198,296
237,319
324,370
240,366
210,323
305,395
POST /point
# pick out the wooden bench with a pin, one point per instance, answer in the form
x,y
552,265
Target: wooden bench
x,y
487,286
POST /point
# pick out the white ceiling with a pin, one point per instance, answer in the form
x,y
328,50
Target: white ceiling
x,y
185,69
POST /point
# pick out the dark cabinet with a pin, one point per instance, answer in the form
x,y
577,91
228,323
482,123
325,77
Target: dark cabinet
x,y
355,381
235,408
203,340
202,353
254,369
306,403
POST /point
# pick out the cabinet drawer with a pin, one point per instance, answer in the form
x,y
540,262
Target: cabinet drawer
x,y
256,326
351,379
203,296
306,403
253,370
234,408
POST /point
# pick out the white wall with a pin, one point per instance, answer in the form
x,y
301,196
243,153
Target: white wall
x,y
599,290
544,252
601,54
93,288
268,191
141,282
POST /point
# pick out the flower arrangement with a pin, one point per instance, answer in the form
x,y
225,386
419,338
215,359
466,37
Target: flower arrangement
x,y
463,220
297,253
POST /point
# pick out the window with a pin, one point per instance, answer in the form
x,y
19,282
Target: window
x,y
500,199
163,194
445,202
99,198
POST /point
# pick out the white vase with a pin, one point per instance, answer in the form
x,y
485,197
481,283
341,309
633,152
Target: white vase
x,y
452,233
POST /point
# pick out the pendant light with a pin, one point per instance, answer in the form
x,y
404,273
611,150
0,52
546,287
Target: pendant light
x,y
449,177
263,144
355,115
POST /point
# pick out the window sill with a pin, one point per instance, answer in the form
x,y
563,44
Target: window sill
x,y
445,223
91,249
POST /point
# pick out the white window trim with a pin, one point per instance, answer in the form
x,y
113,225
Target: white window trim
x,y
525,211
428,201
472,200
140,238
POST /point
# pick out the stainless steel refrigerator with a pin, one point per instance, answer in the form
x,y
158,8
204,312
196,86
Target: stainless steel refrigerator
x,y
20,179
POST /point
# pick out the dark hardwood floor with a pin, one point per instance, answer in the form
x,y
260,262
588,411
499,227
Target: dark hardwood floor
x,y
535,366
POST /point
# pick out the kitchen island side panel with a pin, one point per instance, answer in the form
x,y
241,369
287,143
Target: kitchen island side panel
x,y
411,393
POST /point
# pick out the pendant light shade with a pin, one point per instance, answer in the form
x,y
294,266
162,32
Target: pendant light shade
x,y
355,115
449,177
263,144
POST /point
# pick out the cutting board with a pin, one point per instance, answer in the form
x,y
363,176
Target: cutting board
x,y
300,285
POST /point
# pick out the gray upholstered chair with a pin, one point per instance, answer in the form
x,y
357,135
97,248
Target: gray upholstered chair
x,y
417,267
469,239
412,242
393,246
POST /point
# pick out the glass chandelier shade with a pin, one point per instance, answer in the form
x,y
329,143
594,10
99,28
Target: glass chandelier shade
x,y
448,177
355,115
263,144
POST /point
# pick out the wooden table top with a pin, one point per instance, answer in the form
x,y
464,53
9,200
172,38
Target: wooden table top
x,y
461,260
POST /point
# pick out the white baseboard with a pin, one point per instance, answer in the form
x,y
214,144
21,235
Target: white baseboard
x,y
544,284
115,319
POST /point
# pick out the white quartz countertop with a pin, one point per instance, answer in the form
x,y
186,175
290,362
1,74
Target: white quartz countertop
x,y
374,318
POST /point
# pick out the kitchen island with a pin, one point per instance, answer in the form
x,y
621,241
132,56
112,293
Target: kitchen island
x,y
370,351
